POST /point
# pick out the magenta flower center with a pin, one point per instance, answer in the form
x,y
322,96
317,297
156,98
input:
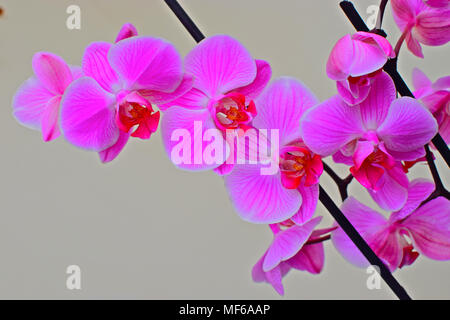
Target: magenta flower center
x,y
134,114
370,171
232,112
364,80
298,164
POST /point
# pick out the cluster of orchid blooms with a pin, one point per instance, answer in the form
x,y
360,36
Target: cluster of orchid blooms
x,y
112,97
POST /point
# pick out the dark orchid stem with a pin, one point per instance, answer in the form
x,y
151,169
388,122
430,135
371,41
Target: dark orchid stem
x,y
345,182
362,245
391,68
433,169
341,183
185,20
439,186
442,147
323,196
353,16
383,4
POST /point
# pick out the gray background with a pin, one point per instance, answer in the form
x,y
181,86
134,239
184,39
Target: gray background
x,y
138,227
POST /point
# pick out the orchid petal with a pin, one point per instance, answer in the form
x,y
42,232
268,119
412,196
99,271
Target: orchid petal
x,y
375,107
179,124
220,64
112,152
310,258
330,125
77,72
127,31
438,3
429,227
50,129
433,27
29,103
436,101
413,45
162,98
352,95
52,71
404,11
362,151
261,198
444,129
281,106
390,195
95,64
368,55
442,83
310,197
341,58
366,221
408,155
146,63
357,55
418,191
273,277
408,126
339,157
263,74
88,115
287,243
224,169
375,39
258,275
193,99
420,80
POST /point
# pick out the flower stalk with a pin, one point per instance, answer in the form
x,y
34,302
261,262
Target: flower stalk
x,y
341,183
439,186
379,23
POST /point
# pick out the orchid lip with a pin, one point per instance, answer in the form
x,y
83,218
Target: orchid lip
x,y
136,112
299,165
232,112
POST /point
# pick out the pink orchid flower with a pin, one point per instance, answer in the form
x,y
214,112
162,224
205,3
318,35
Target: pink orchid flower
x,y
293,247
37,102
226,80
420,23
373,137
354,61
291,192
436,97
114,100
413,229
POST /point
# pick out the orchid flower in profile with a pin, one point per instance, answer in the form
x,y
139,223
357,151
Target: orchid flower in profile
x,y
414,229
372,137
291,191
293,247
226,80
421,23
436,97
354,62
113,101
37,102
